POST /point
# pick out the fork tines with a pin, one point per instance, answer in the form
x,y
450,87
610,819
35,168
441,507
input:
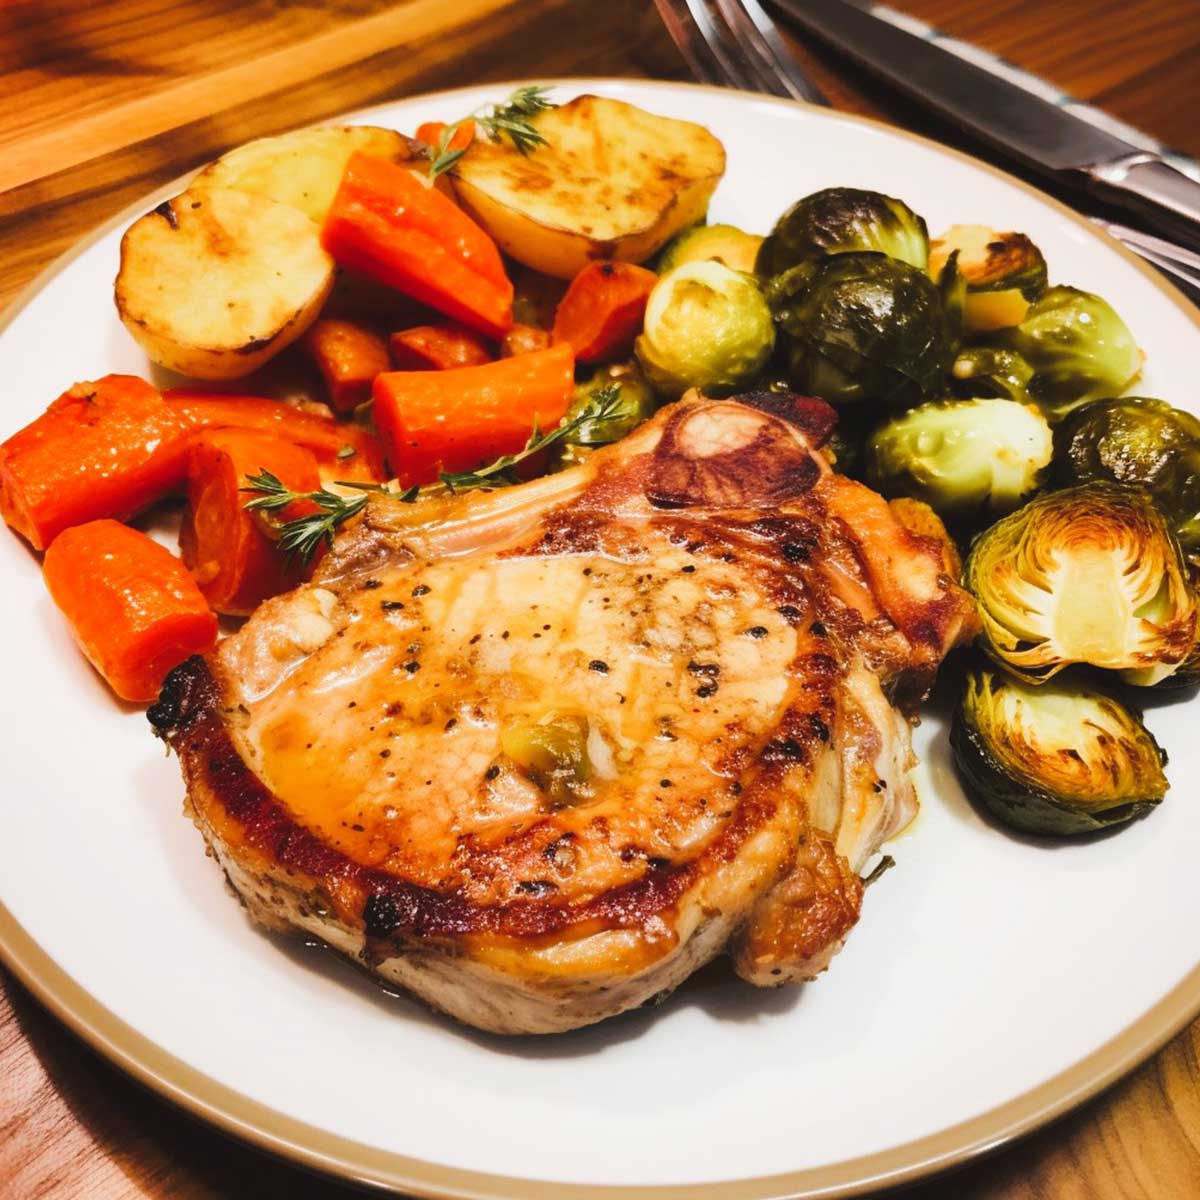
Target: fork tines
x,y
735,43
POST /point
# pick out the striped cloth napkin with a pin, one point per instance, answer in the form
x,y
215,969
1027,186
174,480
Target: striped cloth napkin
x,y
1039,87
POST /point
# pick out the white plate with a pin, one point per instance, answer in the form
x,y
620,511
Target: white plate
x,y
991,983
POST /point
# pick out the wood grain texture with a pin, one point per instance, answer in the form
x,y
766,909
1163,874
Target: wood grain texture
x,y
100,103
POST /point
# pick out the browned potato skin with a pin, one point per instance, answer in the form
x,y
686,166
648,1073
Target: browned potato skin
x,y
215,282
303,168
612,181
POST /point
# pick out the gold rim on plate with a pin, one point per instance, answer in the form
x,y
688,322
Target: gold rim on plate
x,y
289,1138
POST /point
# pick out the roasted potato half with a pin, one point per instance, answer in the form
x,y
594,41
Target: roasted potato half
x,y
611,181
215,282
302,168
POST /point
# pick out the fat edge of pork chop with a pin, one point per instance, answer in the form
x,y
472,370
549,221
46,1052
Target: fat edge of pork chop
x,y
724,617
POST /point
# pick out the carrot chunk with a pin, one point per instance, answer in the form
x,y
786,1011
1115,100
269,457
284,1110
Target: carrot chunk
x,y
602,311
388,224
230,551
454,420
343,450
349,356
523,339
431,133
132,607
437,348
102,449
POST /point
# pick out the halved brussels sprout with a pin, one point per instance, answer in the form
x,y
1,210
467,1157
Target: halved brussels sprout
x,y
1053,759
1140,442
1091,574
844,221
706,326
552,752
635,402
862,327
723,243
962,457
1079,350
991,371
1002,273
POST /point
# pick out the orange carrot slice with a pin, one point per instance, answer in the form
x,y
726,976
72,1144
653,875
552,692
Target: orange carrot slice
x,y
230,551
102,449
132,607
433,421
602,311
437,348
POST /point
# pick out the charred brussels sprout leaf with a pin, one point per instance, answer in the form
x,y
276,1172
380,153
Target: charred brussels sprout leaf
x,y
1079,350
962,457
1091,574
725,244
862,327
952,286
1001,273
1052,759
1186,675
991,371
707,327
1140,442
634,403
844,221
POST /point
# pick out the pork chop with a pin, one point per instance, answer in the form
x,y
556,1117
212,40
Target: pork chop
x,y
537,754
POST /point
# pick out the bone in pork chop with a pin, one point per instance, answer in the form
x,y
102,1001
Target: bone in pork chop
x,y
539,753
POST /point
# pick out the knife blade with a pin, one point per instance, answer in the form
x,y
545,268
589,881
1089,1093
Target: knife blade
x,y
1007,116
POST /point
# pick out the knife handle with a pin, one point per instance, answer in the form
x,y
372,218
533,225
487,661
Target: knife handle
x,y
1167,198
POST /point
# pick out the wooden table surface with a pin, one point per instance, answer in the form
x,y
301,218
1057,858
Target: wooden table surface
x,y
102,102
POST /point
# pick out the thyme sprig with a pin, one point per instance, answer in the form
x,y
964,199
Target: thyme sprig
x,y
509,119
300,538
603,404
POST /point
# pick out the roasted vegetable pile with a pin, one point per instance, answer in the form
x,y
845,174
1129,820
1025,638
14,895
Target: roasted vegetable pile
x,y
499,294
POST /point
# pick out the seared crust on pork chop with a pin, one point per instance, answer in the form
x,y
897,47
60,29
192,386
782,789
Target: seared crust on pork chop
x,y
719,623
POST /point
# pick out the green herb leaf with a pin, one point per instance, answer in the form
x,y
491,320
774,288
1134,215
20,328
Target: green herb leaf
x,y
498,121
300,539
885,864
498,474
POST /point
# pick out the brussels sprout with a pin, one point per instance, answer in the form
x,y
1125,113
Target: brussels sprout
x,y
635,402
1002,273
844,449
843,221
1053,759
962,457
862,327
552,752
1091,574
1079,349
991,371
706,326
723,243
1140,442
952,286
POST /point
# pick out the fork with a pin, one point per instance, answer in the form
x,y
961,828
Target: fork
x,y
735,43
